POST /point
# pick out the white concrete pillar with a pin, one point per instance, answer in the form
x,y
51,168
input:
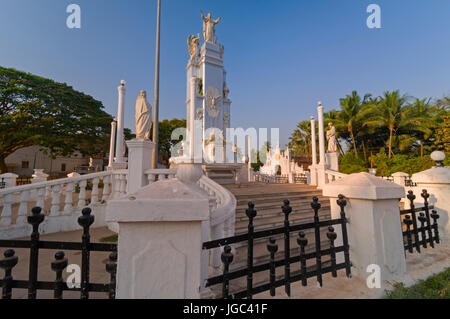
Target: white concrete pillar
x,y
112,144
436,181
139,160
160,240
321,179
193,117
39,176
120,119
374,228
313,167
10,179
399,178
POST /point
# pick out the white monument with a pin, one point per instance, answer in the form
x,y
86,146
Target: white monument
x,y
207,93
143,117
141,148
332,151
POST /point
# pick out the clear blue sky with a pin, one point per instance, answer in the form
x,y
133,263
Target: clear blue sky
x,y
281,56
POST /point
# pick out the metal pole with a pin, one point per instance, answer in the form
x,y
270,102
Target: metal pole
x,y
156,104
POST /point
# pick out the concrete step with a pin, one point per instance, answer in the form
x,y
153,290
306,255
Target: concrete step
x,y
278,203
285,195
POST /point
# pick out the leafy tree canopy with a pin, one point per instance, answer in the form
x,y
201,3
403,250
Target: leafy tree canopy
x,y
39,111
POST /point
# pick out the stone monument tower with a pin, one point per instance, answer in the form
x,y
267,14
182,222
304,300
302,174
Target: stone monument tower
x,y
207,102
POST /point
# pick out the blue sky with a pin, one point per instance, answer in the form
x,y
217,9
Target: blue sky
x,y
281,56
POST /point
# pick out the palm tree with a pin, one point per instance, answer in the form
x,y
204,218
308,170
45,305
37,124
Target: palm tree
x,y
389,112
300,140
422,116
350,117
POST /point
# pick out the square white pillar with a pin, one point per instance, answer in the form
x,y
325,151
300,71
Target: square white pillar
x,y
374,228
139,160
160,240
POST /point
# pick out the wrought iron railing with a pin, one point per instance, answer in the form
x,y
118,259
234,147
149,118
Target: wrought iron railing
x,y
289,277
428,233
59,264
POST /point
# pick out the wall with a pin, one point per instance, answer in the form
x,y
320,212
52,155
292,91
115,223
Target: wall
x,y
37,159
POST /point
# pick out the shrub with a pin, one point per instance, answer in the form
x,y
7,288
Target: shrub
x,y
435,287
349,164
400,163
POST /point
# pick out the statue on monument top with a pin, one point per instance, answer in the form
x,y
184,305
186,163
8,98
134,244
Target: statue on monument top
x,y
331,138
209,27
193,44
143,117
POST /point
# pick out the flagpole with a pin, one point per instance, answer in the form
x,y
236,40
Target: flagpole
x,y
156,103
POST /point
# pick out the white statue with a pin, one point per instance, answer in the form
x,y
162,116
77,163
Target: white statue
x,y
193,44
210,143
143,117
331,138
209,27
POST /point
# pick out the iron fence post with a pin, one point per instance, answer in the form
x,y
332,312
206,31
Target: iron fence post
x,y
251,214
85,221
35,219
8,264
287,249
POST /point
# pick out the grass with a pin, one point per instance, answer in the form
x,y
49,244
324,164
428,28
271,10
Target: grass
x,y
110,239
435,287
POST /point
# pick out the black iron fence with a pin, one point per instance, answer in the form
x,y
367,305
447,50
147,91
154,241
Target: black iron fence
x,y
60,262
299,259
427,233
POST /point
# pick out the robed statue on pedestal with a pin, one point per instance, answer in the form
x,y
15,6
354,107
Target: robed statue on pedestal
x,y
143,117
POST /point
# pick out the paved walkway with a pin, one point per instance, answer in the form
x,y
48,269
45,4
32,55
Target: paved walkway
x,y
98,262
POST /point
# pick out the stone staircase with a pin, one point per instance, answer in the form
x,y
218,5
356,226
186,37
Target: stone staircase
x,y
268,199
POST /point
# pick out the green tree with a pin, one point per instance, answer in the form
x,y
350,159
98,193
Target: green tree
x,y
300,140
389,113
165,145
351,116
39,111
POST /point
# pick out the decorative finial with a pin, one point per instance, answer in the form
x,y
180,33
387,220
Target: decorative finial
x,y
319,103
438,157
312,118
123,82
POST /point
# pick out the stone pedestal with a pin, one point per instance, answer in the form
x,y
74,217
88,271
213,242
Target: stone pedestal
x,y
321,177
437,182
332,161
116,166
374,229
39,176
9,179
399,178
140,160
160,240
313,175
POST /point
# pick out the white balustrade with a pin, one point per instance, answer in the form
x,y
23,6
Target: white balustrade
x,y
69,199
94,194
53,192
154,175
23,208
82,195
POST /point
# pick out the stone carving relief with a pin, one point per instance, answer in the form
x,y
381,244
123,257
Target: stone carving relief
x,y
213,98
226,120
199,114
